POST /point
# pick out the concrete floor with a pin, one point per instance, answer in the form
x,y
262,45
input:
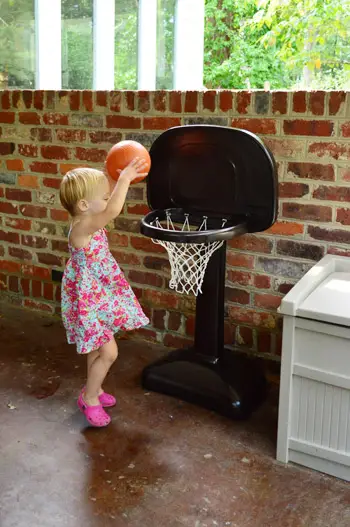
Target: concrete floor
x,y
161,463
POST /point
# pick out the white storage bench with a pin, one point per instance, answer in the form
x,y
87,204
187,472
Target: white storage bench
x,y
314,407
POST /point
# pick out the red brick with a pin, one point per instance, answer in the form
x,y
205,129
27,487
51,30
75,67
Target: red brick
x,y
257,126
7,149
27,96
332,193
343,216
129,98
156,263
329,235
262,281
175,102
144,103
51,182
303,127
28,150
28,181
243,102
116,121
58,245
10,267
312,171
240,260
292,190
34,241
209,100
21,254
124,257
335,150
159,101
50,99
140,277
252,317
160,299
56,118
25,286
316,102
18,195
18,223
93,155
191,102
173,341
267,301
54,152
7,117
48,291
139,209
71,136
344,173
345,128
225,100
336,102
44,167
39,306
59,215
5,100
279,103
66,167
190,325
32,211
74,100
299,102
101,98
339,251
14,284
39,99
8,208
239,277
120,240
16,97
264,342
10,237
245,336
285,147
115,101
49,259
88,101
286,228
160,123
102,136
14,164
145,244
3,282
307,212
238,296
41,134
36,272
29,118
252,243
158,319
285,287
174,321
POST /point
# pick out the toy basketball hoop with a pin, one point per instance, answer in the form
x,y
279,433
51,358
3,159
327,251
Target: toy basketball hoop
x,y
207,185
190,240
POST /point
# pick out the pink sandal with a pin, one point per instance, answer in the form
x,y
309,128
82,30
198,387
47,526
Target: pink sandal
x,y
106,399
95,415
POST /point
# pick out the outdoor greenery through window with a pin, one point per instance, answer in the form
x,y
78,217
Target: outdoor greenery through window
x,y
279,44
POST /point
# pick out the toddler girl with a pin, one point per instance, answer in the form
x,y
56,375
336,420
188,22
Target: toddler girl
x,y
97,301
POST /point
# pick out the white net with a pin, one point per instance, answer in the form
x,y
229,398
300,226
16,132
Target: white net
x,y
188,261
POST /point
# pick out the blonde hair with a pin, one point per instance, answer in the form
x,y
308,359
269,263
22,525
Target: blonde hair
x,y
78,184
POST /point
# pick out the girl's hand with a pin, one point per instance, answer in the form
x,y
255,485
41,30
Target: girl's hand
x,y
137,168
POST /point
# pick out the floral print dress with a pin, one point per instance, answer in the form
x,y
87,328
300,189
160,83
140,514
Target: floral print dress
x,y
97,300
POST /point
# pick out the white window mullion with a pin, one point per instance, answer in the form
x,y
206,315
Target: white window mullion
x,y
48,45
147,45
104,47
189,45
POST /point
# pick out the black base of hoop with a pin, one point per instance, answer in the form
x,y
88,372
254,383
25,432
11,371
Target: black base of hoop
x,y
210,374
233,386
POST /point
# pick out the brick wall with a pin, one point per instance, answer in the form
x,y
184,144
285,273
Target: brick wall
x,y
44,134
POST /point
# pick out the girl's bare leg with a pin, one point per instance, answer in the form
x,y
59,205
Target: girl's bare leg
x,y
98,366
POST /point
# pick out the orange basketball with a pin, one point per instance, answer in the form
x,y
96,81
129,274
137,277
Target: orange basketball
x,y
121,154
